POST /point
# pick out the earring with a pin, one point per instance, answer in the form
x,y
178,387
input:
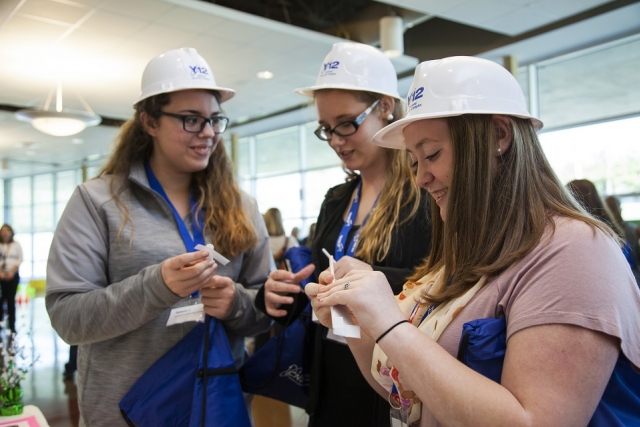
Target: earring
x,y
499,152
390,117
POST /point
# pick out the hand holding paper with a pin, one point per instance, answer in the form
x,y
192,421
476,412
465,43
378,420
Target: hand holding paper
x,y
341,320
213,255
187,273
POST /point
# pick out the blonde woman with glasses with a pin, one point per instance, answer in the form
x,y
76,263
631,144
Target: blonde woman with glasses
x,y
376,221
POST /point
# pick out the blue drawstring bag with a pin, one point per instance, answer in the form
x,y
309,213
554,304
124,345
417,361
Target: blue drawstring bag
x,y
483,346
281,368
195,384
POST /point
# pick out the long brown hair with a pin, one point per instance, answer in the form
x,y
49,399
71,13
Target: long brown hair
x,y
273,220
587,194
398,193
498,206
214,188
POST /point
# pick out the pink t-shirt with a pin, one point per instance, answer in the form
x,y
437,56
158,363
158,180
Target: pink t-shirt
x,y
574,277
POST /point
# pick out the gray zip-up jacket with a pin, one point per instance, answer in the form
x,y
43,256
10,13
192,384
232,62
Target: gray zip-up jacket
x,y
105,291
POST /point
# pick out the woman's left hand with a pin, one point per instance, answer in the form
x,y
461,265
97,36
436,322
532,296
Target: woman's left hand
x,y
369,297
217,296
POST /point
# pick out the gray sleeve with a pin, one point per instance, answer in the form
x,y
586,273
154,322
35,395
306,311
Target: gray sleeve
x,y
83,306
257,263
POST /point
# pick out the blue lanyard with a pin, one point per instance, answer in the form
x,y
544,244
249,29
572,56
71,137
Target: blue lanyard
x,y
197,221
348,224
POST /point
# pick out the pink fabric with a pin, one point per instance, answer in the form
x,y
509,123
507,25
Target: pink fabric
x,y
574,277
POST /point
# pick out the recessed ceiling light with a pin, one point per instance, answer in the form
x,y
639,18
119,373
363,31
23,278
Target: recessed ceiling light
x,y
265,75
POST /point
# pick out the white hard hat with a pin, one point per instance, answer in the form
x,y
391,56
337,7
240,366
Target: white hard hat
x,y
455,86
355,66
179,69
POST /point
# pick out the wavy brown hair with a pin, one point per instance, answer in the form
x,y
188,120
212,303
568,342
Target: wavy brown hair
x,y
214,188
398,194
498,206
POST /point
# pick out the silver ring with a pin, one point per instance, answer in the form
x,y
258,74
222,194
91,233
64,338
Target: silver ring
x,y
346,285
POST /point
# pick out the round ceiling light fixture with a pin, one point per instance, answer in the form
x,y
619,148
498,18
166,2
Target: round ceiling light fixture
x,y
59,123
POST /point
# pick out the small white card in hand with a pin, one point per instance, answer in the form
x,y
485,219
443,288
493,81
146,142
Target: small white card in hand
x,y
188,313
213,254
340,319
342,323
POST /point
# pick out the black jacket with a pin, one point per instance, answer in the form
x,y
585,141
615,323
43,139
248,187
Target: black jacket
x,y
340,396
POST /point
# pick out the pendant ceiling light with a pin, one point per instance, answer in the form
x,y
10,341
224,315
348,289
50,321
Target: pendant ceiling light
x,y
391,36
57,122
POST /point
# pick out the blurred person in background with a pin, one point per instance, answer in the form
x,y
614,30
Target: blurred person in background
x,y
279,242
10,260
309,239
631,235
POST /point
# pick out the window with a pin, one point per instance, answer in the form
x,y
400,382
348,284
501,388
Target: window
x,y
601,84
278,152
608,154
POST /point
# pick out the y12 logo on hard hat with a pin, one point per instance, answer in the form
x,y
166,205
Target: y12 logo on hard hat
x,y
328,67
414,96
199,72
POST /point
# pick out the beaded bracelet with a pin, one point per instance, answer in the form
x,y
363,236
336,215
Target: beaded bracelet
x,y
391,329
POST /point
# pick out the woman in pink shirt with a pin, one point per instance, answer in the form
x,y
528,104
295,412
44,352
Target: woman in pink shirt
x,y
509,244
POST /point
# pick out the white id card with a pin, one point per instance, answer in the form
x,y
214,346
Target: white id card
x,y
187,313
342,323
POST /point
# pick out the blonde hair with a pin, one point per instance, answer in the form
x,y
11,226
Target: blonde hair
x,y
273,221
399,194
214,188
499,206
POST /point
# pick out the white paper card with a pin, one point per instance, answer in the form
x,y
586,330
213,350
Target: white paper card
x,y
213,254
342,323
189,313
333,337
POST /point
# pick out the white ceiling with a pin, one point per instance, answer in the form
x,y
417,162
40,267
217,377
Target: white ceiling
x,y
511,17
98,50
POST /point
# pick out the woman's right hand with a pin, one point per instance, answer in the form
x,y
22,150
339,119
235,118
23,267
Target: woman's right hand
x,y
279,285
322,312
184,274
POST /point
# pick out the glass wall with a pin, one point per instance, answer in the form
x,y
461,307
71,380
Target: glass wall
x,y
589,102
289,169
608,154
33,206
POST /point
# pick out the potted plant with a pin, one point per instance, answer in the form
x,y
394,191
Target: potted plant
x,y
14,368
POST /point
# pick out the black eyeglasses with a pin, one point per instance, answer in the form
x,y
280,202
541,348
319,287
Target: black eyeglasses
x,y
195,124
345,128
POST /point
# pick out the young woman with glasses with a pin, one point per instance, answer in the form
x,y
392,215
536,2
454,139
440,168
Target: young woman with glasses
x,y
123,253
375,221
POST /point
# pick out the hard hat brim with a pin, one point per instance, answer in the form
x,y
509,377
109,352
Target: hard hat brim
x,y
225,93
309,91
391,135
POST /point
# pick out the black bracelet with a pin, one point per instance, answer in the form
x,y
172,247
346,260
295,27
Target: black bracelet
x,y
390,329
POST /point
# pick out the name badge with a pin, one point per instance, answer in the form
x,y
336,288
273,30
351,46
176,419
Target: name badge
x,y
189,313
